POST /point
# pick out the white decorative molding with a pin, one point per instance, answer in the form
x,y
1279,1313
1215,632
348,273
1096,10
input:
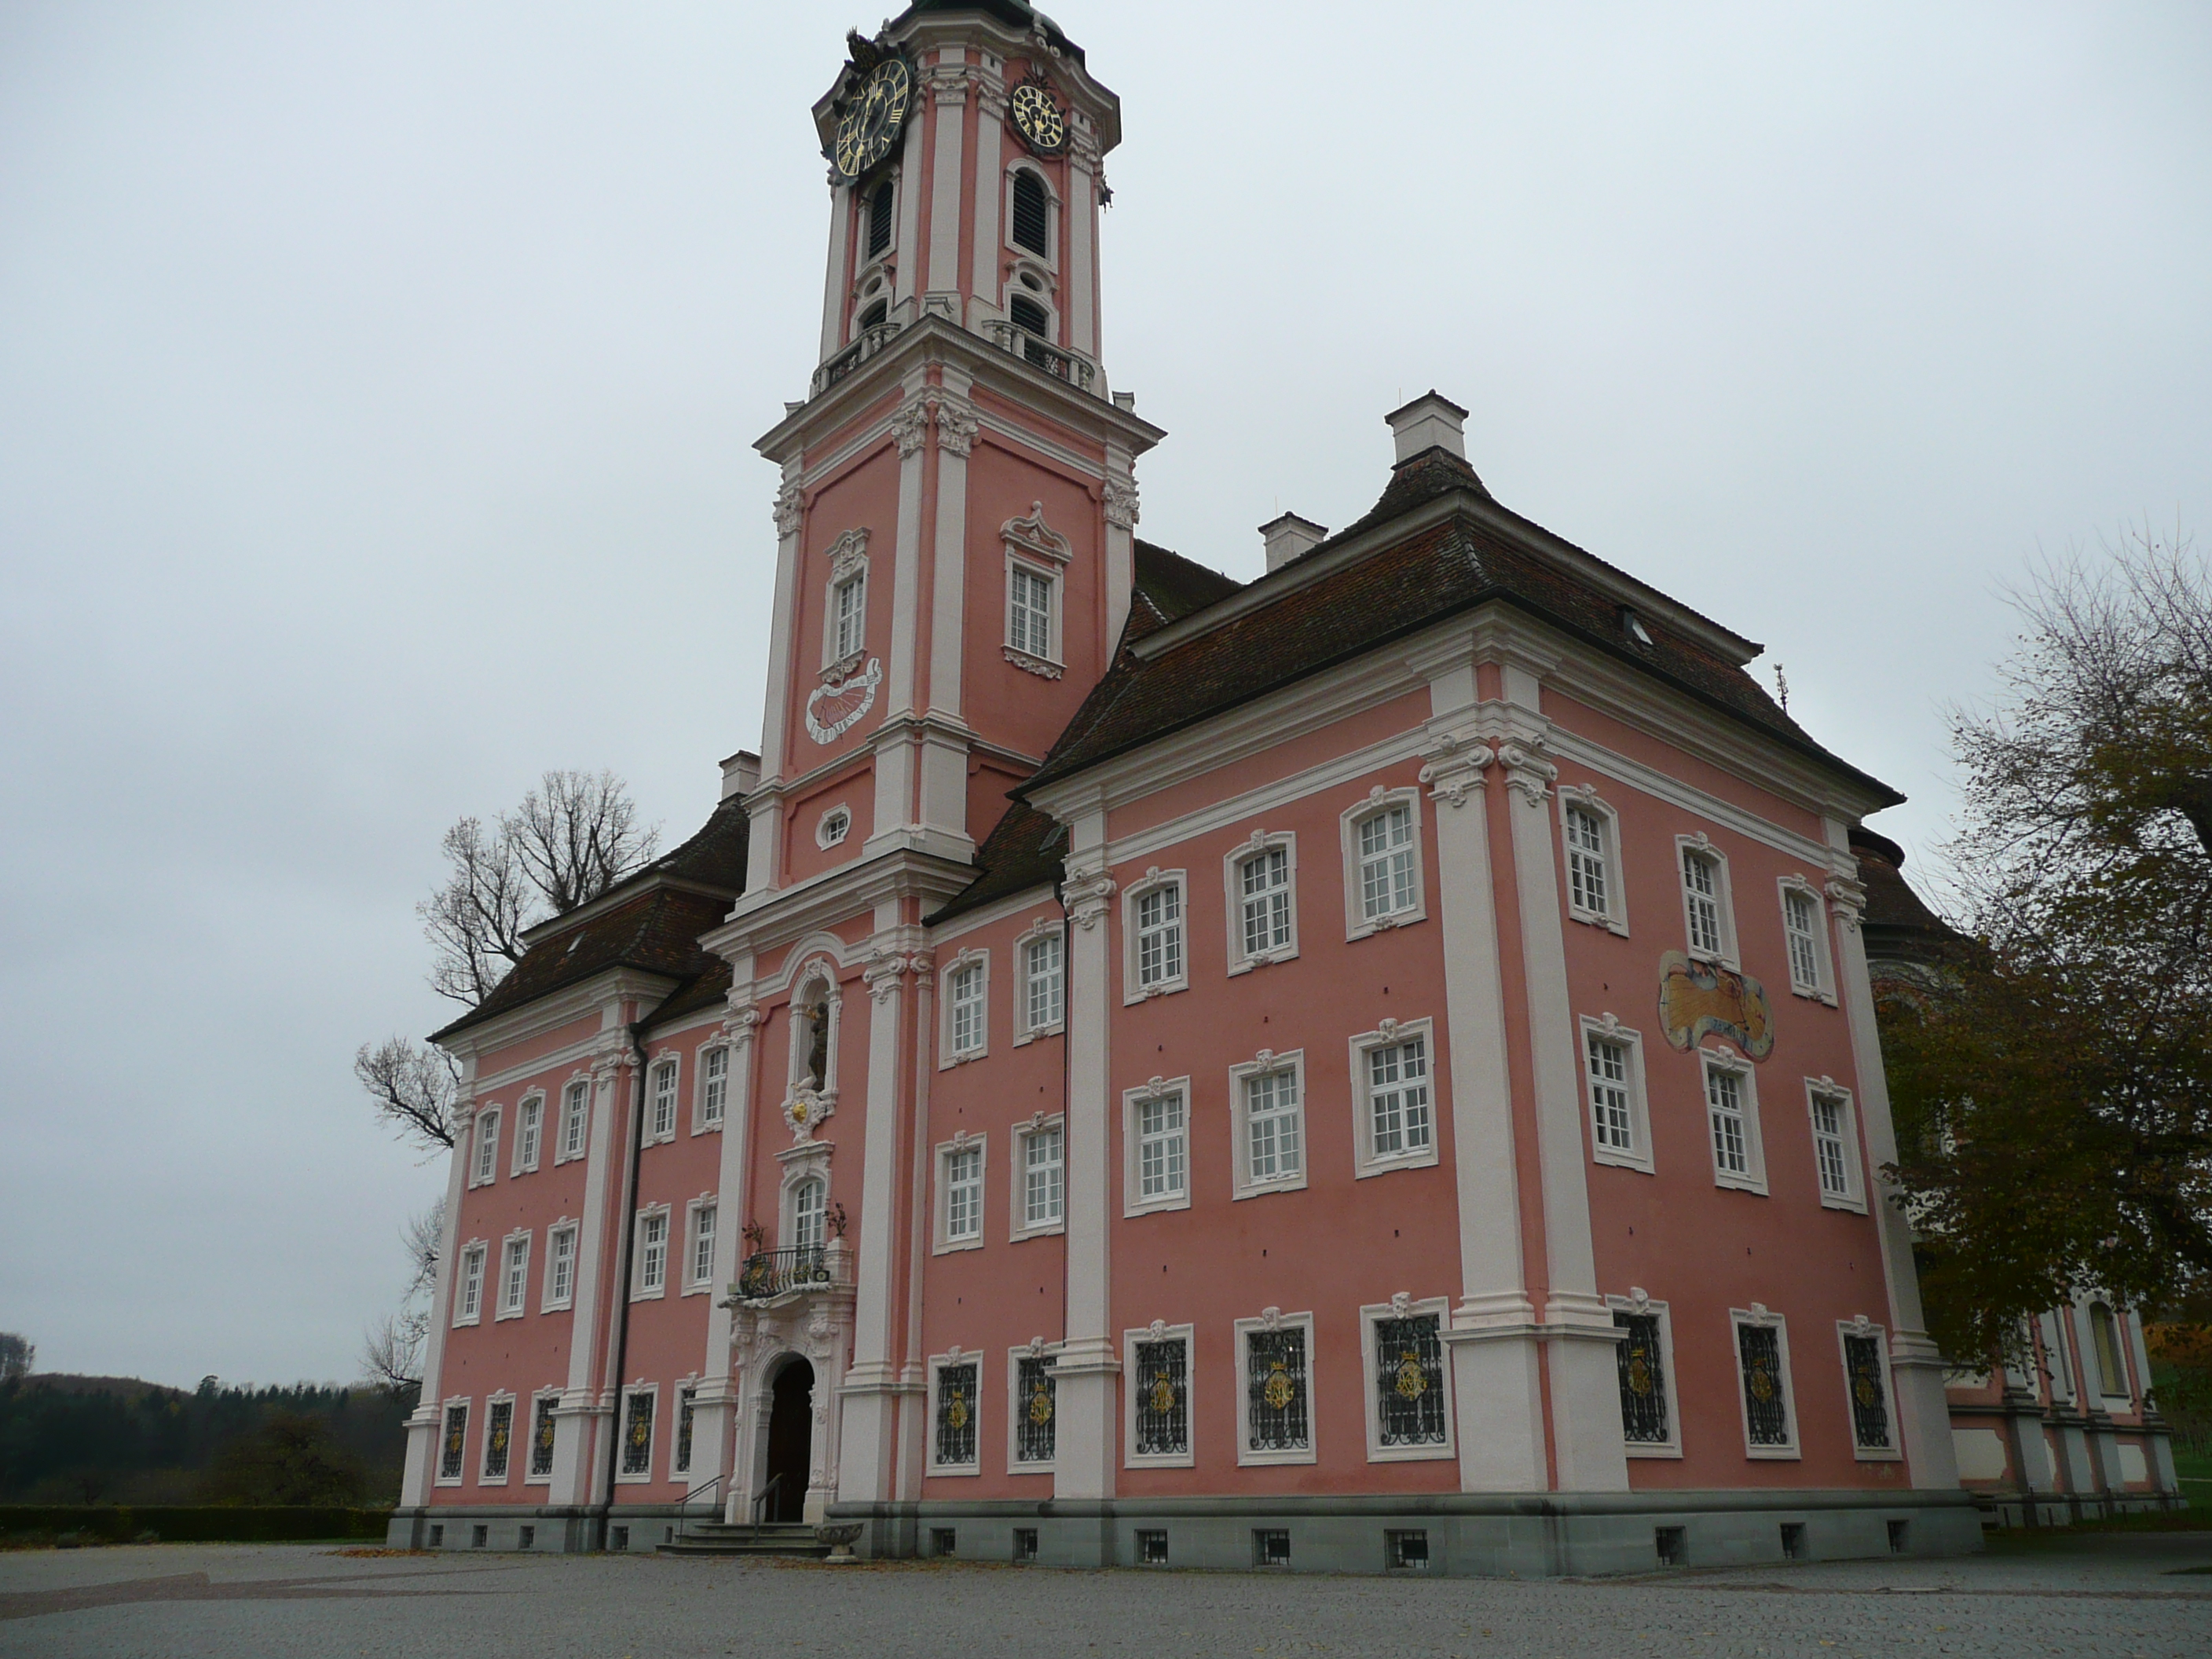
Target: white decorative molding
x,y
833,826
1527,772
1849,898
1455,769
1029,665
1087,894
847,699
790,511
848,554
956,425
882,975
1121,501
1033,536
910,426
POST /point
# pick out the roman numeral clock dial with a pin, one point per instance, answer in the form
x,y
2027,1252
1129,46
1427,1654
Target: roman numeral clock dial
x,y
869,128
1038,119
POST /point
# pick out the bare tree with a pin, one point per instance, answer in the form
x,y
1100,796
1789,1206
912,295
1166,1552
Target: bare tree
x,y
392,1348
412,1086
16,1354
577,835
475,922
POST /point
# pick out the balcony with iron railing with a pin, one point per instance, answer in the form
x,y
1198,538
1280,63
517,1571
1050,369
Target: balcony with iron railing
x,y
872,339
1072,367
769,1276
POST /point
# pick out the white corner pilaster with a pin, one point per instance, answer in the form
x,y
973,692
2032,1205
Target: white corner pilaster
x,y
578,1477
790,519
957,426
1120,573
1080,302
991,114
422,1424
841,250
868,1448
911,427
715,1404
948,86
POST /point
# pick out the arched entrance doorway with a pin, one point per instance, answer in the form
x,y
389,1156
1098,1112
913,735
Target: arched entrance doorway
x,y
790,1441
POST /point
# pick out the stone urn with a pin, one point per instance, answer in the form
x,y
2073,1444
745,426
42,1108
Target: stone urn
x,y
839,1536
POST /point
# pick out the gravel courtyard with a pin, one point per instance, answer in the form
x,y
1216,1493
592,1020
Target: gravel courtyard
x,y
2147,1593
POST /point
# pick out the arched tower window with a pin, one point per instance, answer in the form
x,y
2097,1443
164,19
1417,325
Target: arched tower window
x,y
1032,219
1025,312
879,220
879,313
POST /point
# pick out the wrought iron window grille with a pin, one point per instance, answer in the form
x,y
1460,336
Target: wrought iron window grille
x,y
1037,1405
1409,1377
1643,1416
1276,1415
956,1415
1163,1384
1869,1400
1765,1407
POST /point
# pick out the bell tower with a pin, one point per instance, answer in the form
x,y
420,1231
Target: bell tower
x,y
955,521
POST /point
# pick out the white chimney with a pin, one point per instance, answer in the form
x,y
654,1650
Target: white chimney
x,y
740,772
1429,422
1289,536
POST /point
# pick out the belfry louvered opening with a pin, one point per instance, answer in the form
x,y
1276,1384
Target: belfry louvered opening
x,y
1027,313
1032,220
879,220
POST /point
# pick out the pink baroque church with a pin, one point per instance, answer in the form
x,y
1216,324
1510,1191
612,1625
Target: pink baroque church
x,y
1368,1069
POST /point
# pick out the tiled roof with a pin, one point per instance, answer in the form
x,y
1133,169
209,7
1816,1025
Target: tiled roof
x,y
1897,923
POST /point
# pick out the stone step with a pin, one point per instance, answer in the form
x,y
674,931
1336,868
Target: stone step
x,y
724,1538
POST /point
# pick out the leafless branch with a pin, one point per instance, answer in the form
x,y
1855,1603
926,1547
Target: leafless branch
x,y
412,1088
576,834
475,922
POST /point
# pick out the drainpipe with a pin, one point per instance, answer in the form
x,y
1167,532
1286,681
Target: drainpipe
x,y
602,1511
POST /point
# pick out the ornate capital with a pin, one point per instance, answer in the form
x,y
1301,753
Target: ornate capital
x,y
790,510
743,1021
911,425
1849,898
956,425
948,86
1455,769
881,974
1527,771
1121,503
1087,894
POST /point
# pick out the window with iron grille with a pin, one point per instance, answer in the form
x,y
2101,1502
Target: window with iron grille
x,y
1766,1400
1590,887
1398,1097
664,1101
1032,214
1036,1409
1264,887
1159,935
879,220
1273,1121
955,1444
1163,1398
1029,612
499,1432
1830,1152
1800,923
964,1193
1276,1415
1041,975
453,1451
637,1433
687,1402
1409,1380
1869,1398
967,1008
1701,897
715,1088
542,1437
576,1117
1043,1159
1643,1380
1387,884
1612,1124
1160,1147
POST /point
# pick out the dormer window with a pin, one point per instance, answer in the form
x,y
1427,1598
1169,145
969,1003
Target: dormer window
x,y
879,220
1026,314
1032,219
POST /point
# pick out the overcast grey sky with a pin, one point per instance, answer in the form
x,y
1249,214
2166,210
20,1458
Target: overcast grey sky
x,y
378,383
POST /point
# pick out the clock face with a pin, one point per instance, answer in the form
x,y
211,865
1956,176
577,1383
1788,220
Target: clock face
x,y
870,125
1037,117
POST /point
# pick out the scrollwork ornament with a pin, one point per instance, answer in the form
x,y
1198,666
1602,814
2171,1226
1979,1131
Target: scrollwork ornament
x,y
1849,898
790,510
1121,497
1085,895
1528,774
957,426
1454,770
882,975
910,426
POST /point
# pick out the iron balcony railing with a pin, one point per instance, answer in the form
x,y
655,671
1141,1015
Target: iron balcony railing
x,y
767,1274
1056,360
872,339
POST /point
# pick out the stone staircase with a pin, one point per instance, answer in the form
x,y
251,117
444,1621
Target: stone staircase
x,y
785,1538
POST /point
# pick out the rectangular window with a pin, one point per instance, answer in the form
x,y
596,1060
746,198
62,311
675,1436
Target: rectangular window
x,y
1036,1401
1277,1415
1833,1154
1161,1391
963,1193
499,1432
1273,1128
529,1125
542,1437
514,1276
1759,1363
471,1296
1613,1121
653,1253
1409,1382
487,1146
1801,924
687,1402
702,1244
849,601
1727,1107
953,1446
1641,1357
637,1434
1029,612
664,1101
966,1000
1159,936
560,1267
1701,897
575,1118
2104,1333
1386,875
453,1449
1398,1097
1263,883
1043,1176
1590,884
714,1087
1870,1391
1160,1147
1042,981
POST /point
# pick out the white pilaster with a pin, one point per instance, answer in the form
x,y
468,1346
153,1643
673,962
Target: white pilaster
x,y
870,1392
956,428
790,519
1120,573
911,427
584,1405
1080,291
716,1403
1087,1398
909,220
422,1425
949,112
839,279
991,112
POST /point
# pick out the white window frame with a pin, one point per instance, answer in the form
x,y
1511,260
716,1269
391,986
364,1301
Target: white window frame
x,y
949,1054
1021,1227
959,1146
787,1205
565,1227
1154,880
1048,260
1017,1408
1672,1446
1581,797
1759,1314
575,1125
1274,1320
1131,1162
937,1363
644,1477
1406,1308
484,1147
1608,1029
520,1300
834,825
846,569
1753,1179
472,1260
683,1389
694,1283
1159,1332
1040,930
1260,843
1894,1452
460,1477
669,1065
640,1290
2126,1393
1023,655
1389,1033
1036,550
1818,1088
1821,987
484,1476
708,1116
528,1132
1290,1063
1700,845
530,1439
1377,800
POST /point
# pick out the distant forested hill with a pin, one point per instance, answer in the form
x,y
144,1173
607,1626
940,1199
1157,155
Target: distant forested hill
x,y
116,1440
